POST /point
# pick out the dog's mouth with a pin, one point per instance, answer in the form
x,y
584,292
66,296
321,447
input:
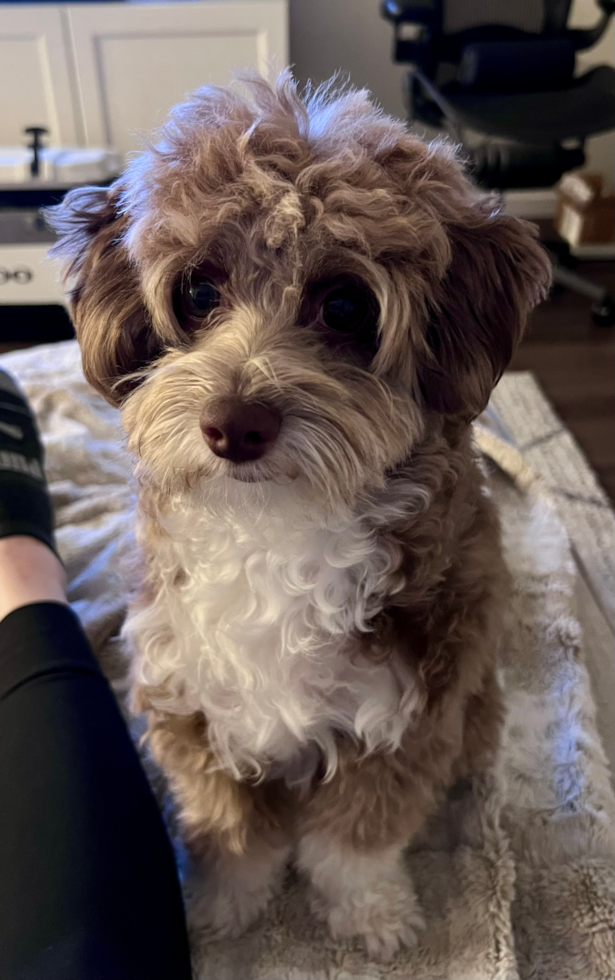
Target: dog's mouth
x,y
259,473
247,477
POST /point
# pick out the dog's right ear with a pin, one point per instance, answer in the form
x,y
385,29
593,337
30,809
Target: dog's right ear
x,y
105,299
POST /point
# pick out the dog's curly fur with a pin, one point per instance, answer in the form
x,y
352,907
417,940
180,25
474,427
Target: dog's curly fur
x,y
315,633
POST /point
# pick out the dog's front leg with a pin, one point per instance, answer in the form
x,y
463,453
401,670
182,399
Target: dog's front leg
x,y
362,893
233,831
353,835
227,892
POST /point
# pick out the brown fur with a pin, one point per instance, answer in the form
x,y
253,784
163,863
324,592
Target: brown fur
x,y
282,194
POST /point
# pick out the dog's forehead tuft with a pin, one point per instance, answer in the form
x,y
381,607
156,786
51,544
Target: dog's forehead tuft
x,y
289,171
285,220
214,139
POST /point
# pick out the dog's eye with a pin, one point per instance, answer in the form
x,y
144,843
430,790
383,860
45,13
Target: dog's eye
x,y
350,309
200,296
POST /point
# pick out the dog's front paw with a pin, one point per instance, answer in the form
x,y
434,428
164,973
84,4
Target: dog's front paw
x,y
225,897
385,918
364,894
216,910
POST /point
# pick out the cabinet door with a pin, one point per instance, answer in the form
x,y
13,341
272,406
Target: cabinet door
x,y
34,75
135,61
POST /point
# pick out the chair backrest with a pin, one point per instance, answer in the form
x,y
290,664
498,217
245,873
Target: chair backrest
x,y
531,16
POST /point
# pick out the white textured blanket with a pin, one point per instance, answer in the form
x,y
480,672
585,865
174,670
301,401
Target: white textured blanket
x,y
516,874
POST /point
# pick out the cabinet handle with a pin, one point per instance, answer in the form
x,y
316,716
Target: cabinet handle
x,y
20,274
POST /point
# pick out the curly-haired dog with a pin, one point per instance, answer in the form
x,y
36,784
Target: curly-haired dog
x,y
300,307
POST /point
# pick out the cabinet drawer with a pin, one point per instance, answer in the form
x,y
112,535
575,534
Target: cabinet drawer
x,y
28,277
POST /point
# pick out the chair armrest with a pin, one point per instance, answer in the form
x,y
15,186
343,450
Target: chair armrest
x,y
583,38
409,11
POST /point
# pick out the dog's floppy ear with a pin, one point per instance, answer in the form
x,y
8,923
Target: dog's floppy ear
x,y
105,300
497,273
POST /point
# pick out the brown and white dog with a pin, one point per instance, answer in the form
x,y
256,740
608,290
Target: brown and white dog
x,y
300,307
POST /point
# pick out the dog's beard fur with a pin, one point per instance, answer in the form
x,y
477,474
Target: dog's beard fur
x,y
342,428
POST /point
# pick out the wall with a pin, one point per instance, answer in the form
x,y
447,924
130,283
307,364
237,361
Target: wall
x,y
601,149
326,35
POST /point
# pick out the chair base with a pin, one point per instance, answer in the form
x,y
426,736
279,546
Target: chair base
x,y
603,304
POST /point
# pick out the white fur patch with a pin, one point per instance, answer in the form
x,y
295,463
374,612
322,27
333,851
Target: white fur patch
x,y
255,633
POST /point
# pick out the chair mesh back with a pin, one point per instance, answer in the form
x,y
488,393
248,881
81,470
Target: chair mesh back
x,y
526,15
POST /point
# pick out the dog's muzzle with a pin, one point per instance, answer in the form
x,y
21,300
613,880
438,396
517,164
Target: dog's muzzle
x,y
240,431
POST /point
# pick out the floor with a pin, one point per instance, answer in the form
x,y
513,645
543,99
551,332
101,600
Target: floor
x,y
574,362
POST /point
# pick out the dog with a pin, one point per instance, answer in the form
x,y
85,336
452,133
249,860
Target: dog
x,y
300,307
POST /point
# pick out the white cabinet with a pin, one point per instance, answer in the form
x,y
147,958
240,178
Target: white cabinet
x,y
35,78
133,62
104,74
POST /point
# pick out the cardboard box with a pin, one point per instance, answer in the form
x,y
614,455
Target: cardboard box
x,y
583,216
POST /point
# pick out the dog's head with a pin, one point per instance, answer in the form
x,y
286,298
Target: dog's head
x,y
284,289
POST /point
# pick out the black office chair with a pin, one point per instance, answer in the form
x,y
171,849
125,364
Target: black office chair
x,y
498,75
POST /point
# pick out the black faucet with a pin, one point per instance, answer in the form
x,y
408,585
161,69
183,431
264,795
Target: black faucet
x,y
36,132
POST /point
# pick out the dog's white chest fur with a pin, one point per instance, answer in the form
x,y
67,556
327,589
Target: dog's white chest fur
x,y
257,634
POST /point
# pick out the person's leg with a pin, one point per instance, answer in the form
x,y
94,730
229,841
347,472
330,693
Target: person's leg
x,y
88,885
29,572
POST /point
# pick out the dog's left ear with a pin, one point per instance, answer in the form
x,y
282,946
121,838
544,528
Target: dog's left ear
x,y
498,272
106,306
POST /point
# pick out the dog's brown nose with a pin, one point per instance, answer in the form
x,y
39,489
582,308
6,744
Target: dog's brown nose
x,y
238,430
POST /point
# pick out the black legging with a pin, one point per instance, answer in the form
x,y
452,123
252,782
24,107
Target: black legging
x,y
88,885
